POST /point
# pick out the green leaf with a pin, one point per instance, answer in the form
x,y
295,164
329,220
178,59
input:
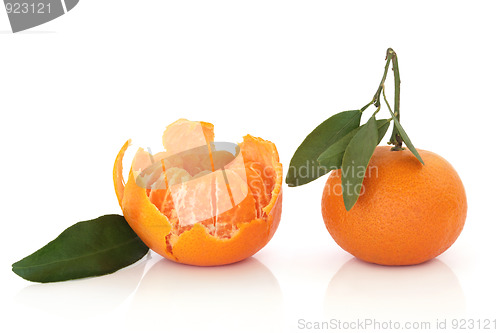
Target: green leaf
x,y
405,137
90,248
304,167
332,157
356,158
382,126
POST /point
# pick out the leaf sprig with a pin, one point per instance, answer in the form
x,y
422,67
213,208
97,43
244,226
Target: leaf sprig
x,y
341,142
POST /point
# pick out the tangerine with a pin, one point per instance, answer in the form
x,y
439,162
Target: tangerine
x,y
197,205
407,213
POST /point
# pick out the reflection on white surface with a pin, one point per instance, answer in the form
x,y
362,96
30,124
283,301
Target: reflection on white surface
x,y
426,291
85,297
240,297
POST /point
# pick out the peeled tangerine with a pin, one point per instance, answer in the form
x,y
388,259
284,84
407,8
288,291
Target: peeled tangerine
x,y
200,202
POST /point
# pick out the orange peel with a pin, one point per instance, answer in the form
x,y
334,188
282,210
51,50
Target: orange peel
x,y
150,204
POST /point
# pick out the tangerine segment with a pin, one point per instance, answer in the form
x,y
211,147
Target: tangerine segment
x,y
407,213
184,135
231,233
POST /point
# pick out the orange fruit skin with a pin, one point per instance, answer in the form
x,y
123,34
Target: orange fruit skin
x,y
407,214
197,246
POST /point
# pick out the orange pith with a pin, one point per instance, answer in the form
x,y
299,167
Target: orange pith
x,y
409,213
202,207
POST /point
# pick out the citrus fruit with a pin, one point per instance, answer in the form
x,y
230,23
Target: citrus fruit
x,y
407,212
196,204
386,205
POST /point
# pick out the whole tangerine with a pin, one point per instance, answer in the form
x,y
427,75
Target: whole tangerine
x,y
407,213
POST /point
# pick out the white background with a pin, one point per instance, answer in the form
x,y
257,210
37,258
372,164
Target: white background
x,y
73,90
